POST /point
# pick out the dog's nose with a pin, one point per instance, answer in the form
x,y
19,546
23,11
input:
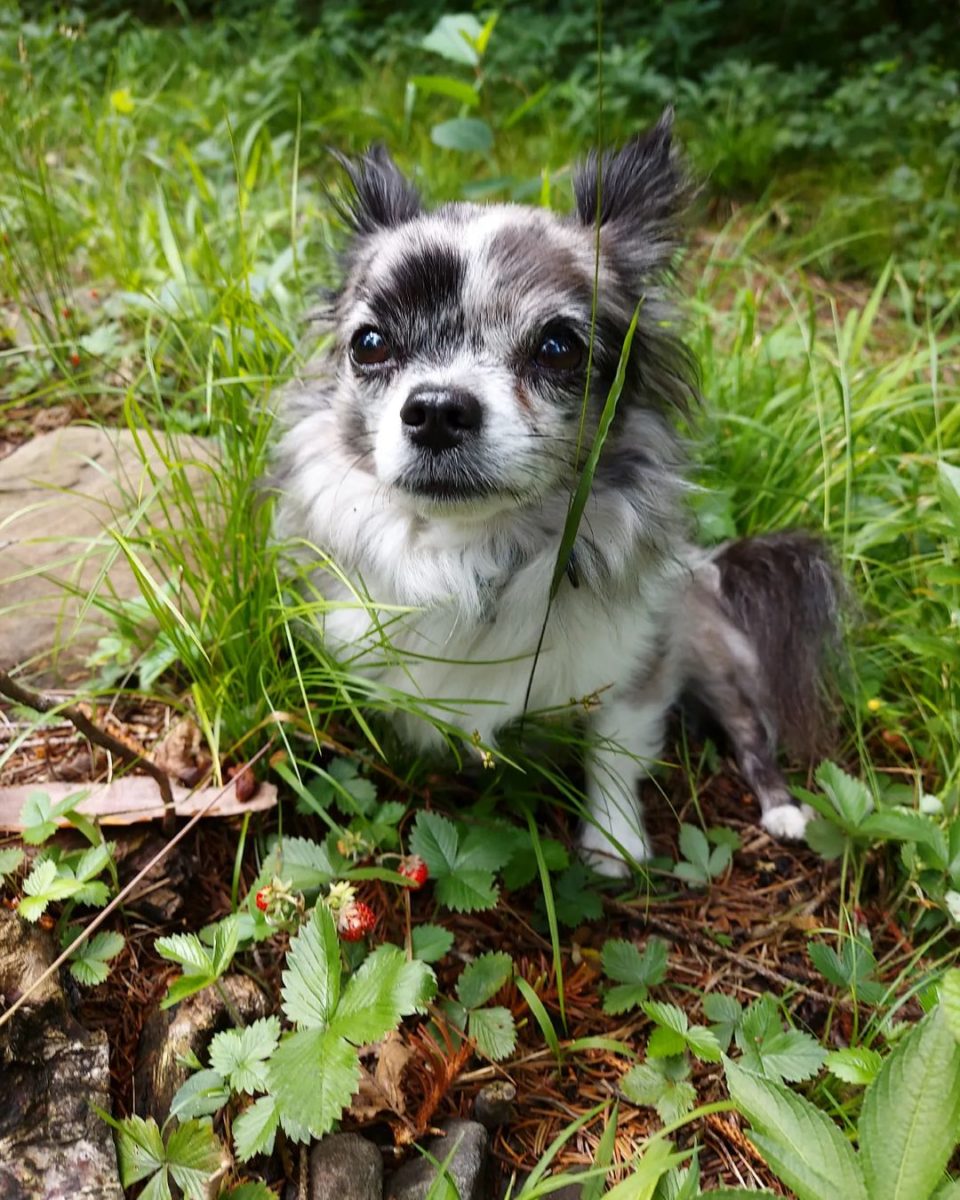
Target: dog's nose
x,y
439,418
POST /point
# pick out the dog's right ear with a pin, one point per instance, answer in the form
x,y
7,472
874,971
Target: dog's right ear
x,y
381,195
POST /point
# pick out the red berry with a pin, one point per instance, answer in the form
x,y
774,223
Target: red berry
x,y
415,869
74,359
67,312
263,899
356,920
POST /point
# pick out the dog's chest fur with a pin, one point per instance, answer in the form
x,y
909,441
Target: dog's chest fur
x,y
452,610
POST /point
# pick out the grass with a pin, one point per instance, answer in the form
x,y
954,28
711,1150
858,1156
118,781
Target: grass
x,y
166,222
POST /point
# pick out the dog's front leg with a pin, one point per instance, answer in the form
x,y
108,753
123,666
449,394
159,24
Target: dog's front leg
x,y
626,740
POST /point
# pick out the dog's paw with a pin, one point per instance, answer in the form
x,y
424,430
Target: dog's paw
x,y
601,855
788,822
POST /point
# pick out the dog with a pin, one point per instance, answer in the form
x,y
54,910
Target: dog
x,y
427,460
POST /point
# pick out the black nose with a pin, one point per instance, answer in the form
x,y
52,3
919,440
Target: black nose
x,y
439,418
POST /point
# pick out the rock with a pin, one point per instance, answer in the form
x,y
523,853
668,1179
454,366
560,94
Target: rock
x,y
345,1166
494,1103
467,1142
188,1027
59,493
52,1143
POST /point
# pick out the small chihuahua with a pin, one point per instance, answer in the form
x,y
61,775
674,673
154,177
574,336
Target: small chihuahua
x,y
428,459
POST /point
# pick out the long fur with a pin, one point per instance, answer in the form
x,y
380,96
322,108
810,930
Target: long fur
x,y
444,520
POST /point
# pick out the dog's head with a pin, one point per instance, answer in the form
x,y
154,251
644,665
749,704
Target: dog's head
x,y
464,336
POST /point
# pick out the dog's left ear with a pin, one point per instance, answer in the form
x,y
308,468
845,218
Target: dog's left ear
x,y
641,189
381,196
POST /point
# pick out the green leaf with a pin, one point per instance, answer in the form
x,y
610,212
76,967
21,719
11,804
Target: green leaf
x,y
574,899
911,1113
825,838
250,1191
703,1042
35,817
436,841
648,1085
855,1064
483,978
900,825
725,1012
623,962
384,989
201,1095
849,796
44,884
485,849
804,1147
641,1183
828,963
792,1055
694,847
240,1055
255,1128
665,1043
187,951
313,1075
89,963
193,1155
311,981
624,996
950,1001
948,489
301,862
10,860
454,37
140,1150
467,891
431,942
445,85
494,1031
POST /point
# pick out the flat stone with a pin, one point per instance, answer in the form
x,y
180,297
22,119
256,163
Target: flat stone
x,y
464,1151
184,1029
345,1166
60,495
53,1146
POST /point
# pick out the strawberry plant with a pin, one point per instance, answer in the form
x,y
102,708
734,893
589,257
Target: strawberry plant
x,y
767,1047
907,1129
702,864
634,973
492,1029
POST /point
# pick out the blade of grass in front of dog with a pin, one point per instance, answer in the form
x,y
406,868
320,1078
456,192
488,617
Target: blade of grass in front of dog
x,y
542,1017
551,915
578,501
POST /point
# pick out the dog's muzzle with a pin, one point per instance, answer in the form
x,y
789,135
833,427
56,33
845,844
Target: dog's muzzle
x,y
438,419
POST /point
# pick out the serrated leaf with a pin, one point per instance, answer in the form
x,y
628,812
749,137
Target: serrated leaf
x,y
792,1055
311,981
193,1156
431,942
313,1075
725,1012
950,1001
622,961
226,939
805,1148
575,901
695,848
483,978
484,848
140,1150
854,1064
828,963
93,861
187,951
622,997
468,891
667,1015
255,1128
665,1043
900,824
436,841
186,985
911,1112
10,860
240,1055
35,818
850,797
90,962
201,1095
643,1084
494,1031
825,838
703,1042
301,862
384,989
522,867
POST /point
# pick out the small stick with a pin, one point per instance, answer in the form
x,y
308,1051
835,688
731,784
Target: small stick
x,y
42,703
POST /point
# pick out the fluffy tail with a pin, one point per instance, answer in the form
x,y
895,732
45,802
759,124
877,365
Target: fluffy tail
x,y
785,593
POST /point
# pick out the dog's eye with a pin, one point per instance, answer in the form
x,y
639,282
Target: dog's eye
x,y
560,350
369,348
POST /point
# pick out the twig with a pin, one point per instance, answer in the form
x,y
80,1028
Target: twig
x,y
122,895
42,703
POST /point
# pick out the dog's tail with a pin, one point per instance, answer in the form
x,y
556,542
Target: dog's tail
x,y
786,594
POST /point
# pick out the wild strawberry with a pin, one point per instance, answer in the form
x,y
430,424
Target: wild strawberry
x,y
355,921
66,312
263,898
74,359
415,869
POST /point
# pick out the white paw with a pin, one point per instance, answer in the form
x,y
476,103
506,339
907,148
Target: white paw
x,y
599,852
787,822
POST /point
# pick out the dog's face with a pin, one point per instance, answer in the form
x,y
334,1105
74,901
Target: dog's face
x,y
463,336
